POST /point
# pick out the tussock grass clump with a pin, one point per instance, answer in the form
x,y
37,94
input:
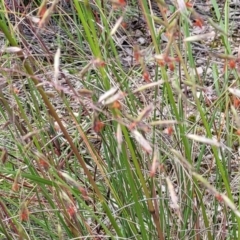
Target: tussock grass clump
x,y
119,120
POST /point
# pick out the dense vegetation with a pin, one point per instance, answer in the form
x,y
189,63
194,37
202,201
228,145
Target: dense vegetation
x,y
119,120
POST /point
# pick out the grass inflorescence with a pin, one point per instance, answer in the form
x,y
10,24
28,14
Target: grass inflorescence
x,y
119,120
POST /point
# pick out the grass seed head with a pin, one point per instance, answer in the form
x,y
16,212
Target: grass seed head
x,y
44,164
198,22
146,76
24,212
232,64
98,126
142,141
4,155
116,105
71,210
155,164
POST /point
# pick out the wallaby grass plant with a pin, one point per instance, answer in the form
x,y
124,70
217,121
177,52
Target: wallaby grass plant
x,y
116,153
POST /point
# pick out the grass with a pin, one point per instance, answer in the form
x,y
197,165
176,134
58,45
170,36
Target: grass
x,y
109,140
